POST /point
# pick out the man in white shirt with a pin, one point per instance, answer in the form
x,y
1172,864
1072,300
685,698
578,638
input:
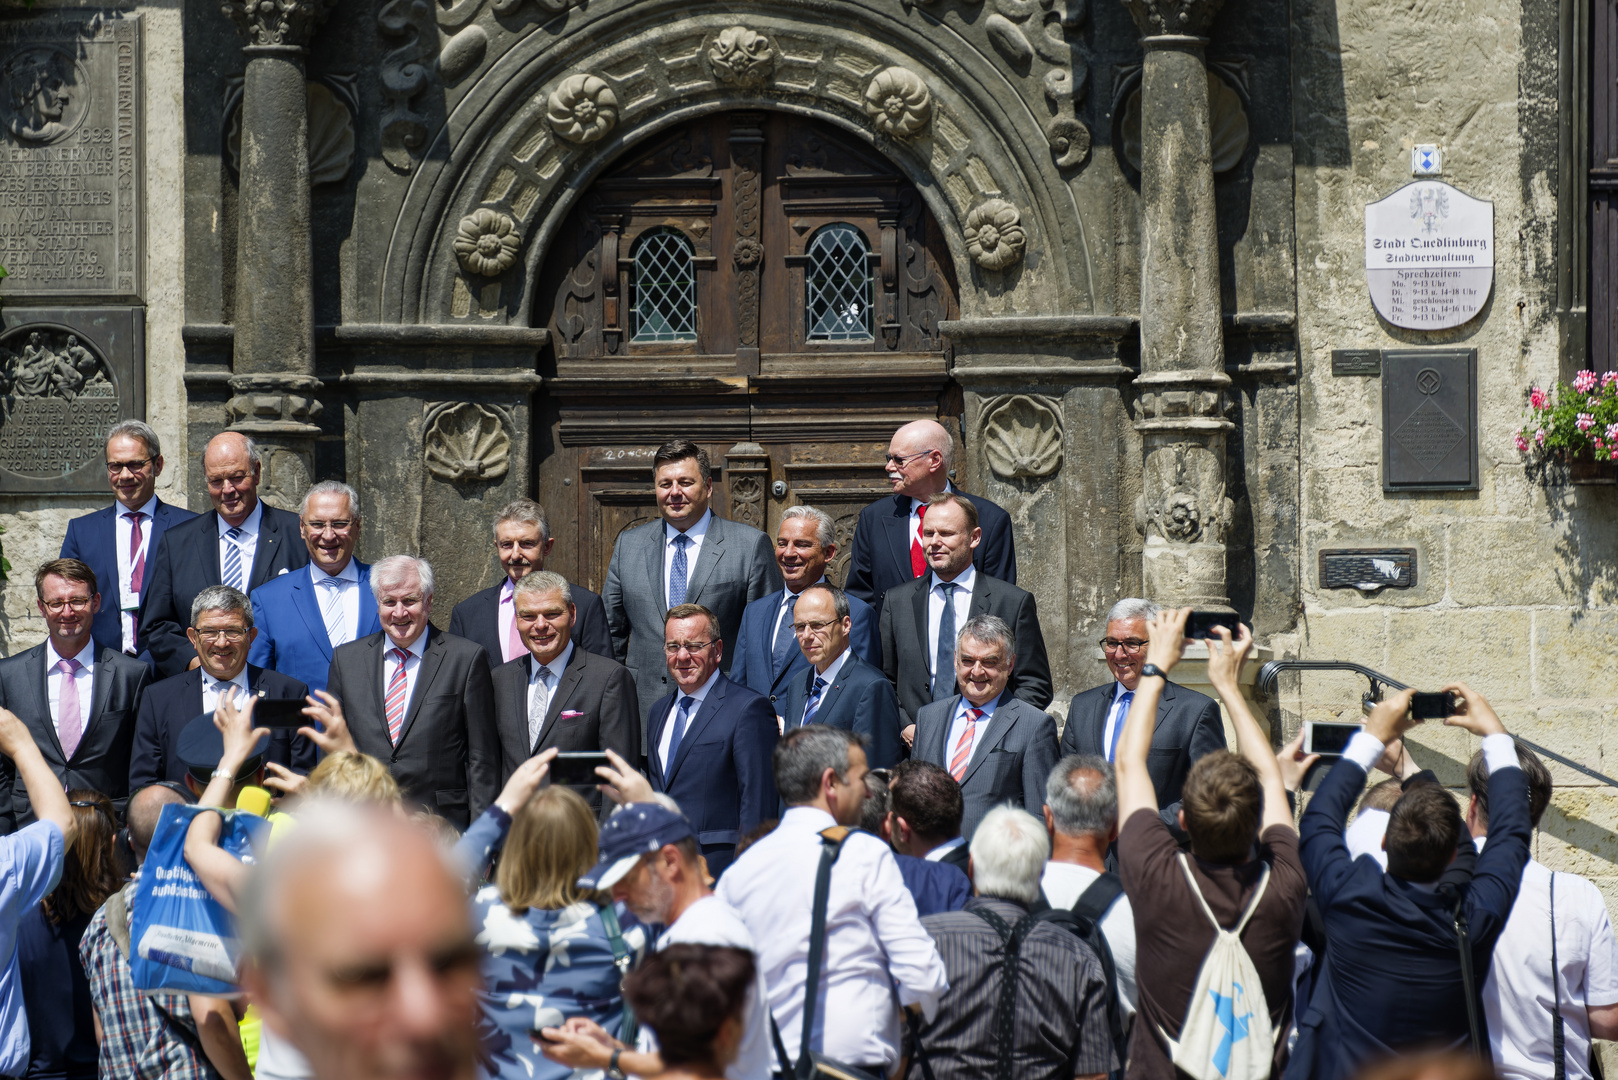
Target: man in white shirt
x,y
875,947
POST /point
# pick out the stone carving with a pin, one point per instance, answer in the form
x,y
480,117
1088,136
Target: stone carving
x,y
331,136
747,253
468,442
273,399
1228,130
53,364
741,57
747,501
582,109
843,527
463,52
747,164
405,74
1183,500
1009,40
1070,141
45,94
898,103
278,22
1022,438
1173,16
487,243
994,234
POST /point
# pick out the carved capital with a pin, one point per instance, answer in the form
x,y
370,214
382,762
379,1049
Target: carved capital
x,y
1164,17
278,22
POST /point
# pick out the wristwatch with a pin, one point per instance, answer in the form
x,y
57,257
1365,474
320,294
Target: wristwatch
x,y
613,1071
1148,670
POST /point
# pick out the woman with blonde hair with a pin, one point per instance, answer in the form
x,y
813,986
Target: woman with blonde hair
x,y
352,776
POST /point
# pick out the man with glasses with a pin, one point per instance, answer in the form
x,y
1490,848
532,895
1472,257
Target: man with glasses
x,y
711,740
222,633
1188,723
116,541
888,545
837,687
77,698
240,543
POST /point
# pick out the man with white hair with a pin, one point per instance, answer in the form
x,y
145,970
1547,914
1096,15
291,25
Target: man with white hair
x,y
1058,1021
419,699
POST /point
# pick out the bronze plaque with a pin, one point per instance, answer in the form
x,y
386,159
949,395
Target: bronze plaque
x,y
1429,420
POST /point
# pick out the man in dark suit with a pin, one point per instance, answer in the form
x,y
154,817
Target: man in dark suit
x,y
922,617
560,695
1369,913
1188,723
522,540
77,699
711,741
889,548
926,812
836,687
116,541
222,632
690,556
767,654
934,885
241,543
419,699
998,747
302,616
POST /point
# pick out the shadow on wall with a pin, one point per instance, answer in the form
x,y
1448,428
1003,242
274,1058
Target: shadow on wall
x,y
1319,104
1586,520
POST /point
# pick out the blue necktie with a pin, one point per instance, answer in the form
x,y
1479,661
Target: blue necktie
x,y
786,641
678,571
233,559
813,707
682,719
944,662
1118,724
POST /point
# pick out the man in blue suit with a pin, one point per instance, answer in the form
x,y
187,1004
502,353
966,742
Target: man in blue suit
x,y
116,540
837,687
1398,916
767,655
302,616
710,743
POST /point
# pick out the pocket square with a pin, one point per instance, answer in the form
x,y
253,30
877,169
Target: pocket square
x,y
568,714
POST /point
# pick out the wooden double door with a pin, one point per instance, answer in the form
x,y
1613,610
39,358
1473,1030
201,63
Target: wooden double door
x,y
761,284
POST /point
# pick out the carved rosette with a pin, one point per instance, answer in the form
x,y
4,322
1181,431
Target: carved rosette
x,y
994,234
748,468
1070,141
487,243
898,103
741,57
1183,501
1161,17
278,22
1022,438
467,442
582,109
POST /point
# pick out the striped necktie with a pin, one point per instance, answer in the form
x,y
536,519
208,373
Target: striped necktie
x,y
233,559
813,706
332,611
398,693
137,557
963,746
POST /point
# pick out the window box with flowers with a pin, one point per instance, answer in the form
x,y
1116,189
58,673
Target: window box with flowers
x,y
1576,425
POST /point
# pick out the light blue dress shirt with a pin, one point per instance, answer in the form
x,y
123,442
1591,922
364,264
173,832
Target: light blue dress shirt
x,y
30,867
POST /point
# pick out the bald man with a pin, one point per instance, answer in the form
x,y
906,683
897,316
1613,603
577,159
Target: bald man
x,y
241,542
887,542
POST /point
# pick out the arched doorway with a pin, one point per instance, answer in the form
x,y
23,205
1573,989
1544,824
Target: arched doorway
x,y
761,283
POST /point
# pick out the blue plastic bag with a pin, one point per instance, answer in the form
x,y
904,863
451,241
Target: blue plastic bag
x,y
182,940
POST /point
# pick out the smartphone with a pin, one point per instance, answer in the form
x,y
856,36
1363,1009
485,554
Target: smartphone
x,y
281,713
1328,737
545,1018
1201,624
577,769
1432,706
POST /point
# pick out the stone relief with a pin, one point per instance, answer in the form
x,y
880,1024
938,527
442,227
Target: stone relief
x,y
462,53
1183,500
898,103
330,136
487,243
467,442
741,57
994,234
1173,16
406,70
278,22
747,501
582,109
1070,141
53,364
1022,437
45,94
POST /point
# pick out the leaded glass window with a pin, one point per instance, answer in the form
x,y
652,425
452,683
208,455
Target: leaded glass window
x,y
665,288
837,284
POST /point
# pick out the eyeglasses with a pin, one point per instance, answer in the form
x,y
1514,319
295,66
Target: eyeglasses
x,y
675,648
116,467
1131,645
217,483
77,603
902,460
338,527
802,628
233,635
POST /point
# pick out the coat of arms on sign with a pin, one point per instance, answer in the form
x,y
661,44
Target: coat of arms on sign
x,y
1429,204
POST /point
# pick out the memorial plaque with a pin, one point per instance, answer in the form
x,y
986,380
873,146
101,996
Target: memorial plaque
x,y
1369,570
1356,361
1429,256
1429,420
70,158
67,375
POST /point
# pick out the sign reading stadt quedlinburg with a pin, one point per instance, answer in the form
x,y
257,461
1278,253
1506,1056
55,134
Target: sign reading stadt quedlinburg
x,y
1429,255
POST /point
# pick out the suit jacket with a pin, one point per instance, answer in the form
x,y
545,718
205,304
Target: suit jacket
x,y
754,664
860,699
170,704
1351,1017
595,691
935,886
1011,762
448,756
187,561
292,629
101,760
722,776
959,856
93,540
907,659
881,558
735,566
477,618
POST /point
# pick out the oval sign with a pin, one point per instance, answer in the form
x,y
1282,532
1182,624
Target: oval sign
x,y
1429,255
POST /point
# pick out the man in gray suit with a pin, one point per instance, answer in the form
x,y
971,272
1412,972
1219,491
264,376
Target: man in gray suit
x,y
690,556
998,748
420,700
560,695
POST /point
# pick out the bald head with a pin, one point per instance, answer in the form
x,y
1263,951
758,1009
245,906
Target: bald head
x,y
145,807
230,466
919,459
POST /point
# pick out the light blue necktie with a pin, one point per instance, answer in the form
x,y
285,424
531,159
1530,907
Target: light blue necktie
x,y
813,707
944,662
233,559
786,641
682,719
678,571
1118,724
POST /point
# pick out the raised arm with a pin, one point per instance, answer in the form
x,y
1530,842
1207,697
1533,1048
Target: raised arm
x,y
221,873
1135,789
45,791
1225,659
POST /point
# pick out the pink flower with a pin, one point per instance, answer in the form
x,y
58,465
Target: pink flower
x,y
1615,455
1585,422
1608,378
1584,382
1536,398
1598,445
1539,437
1612,432
1522,444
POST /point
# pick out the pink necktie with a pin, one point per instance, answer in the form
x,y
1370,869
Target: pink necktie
x,y
963,746
69,725
514,642
394,703
137,557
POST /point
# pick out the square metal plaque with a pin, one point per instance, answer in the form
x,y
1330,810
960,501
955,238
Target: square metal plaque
x,y
67,375
1429,420
1368,569
1356,361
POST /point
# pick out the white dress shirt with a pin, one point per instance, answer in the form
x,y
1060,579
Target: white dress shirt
x,y
348,586
122,530
1364,835
958,725
1064,883
1107,733
711,921
506,613
412,666
211,691
961,598
937,854
83,681
875,944
247,545
696,534
674,713
539,701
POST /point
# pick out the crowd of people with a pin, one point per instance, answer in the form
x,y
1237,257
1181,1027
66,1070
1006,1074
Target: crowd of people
x,y
824,832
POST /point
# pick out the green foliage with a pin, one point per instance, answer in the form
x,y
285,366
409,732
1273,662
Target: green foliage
x,y
1578,421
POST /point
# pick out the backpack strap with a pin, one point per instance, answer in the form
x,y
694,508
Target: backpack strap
x,y
628,1026
1005,1009
1092,904
1557,1045
831,846
1094,901
1252,905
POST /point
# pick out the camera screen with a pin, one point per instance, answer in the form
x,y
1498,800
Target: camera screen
x,y
1330,738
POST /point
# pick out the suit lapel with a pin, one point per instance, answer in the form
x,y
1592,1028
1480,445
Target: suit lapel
x,y
654,568
713,549
375,709
517,710
705,714
210,552
833,691
898,527
1164,703
918,606
431,660
1097,733
565,686
100,691
979,604
42,703
303,598
938,739
370,622
1000,725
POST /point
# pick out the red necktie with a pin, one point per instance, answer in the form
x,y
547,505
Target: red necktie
x,y
918,561
394,703
137,557
963,746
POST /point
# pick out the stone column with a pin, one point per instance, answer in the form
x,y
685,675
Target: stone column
x,y
273,384
1183,511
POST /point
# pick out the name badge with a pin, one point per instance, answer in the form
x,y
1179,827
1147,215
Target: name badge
x,y
131,601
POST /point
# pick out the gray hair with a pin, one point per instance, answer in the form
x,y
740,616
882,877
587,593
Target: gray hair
x,y
222,598
804,754
988,630
1133,607
544,581
396,568
253,456
1009,850
825,528
1082,793
137,429
839,598
527,512
332,487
